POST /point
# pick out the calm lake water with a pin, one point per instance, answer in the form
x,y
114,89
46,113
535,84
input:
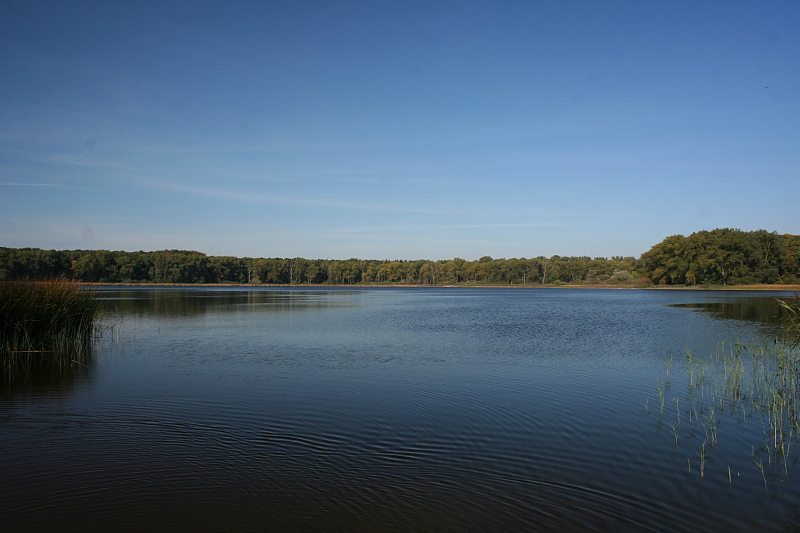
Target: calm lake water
x,y
397,409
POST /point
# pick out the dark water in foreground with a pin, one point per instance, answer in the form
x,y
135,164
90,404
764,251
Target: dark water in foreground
x,y
384,410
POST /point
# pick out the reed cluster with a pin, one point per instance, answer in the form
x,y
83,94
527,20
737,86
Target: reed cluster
x,y
755,385
52,316
791,323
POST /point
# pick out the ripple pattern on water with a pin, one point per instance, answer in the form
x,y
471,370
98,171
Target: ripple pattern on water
x,y
394,411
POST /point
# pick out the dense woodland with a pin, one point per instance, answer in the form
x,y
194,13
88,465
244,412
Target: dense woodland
x,y
721,256
724,257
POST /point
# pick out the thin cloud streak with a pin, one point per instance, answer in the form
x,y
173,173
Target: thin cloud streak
x,y
60,185
280,199
249,197
567,228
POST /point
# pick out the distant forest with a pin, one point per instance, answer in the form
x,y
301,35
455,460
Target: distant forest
x,y
718,257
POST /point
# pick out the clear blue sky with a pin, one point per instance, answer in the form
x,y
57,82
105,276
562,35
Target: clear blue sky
x,y
396,130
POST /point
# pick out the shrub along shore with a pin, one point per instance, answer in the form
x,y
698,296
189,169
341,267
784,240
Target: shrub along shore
x,y
54,316
722,257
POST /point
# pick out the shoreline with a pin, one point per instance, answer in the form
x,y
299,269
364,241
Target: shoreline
x,y
758,287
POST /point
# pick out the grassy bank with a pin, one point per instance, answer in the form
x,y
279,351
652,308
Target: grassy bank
x,y
45,317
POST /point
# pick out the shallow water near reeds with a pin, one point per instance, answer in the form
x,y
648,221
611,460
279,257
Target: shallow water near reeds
x,y
396,409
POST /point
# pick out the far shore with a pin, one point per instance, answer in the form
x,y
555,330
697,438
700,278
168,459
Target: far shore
x,y
760,287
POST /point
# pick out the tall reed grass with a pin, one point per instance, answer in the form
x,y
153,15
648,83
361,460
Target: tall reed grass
x,y
756,386
53,316
791,322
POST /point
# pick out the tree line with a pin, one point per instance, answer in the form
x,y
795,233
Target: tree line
x,y
722,256
180,266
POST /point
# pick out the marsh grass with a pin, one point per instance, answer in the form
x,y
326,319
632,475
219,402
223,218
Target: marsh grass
x,y
45,324
791,322
755,385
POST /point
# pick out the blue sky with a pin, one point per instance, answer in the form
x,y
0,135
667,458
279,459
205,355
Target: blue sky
x,y
396,130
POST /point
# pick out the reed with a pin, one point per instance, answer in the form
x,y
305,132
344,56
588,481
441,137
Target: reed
x,y
759,383
54,317
791,322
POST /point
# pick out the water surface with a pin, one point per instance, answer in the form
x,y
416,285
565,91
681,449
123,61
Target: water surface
x,y
398,409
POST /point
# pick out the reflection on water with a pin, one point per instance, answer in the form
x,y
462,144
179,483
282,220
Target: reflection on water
x,y
188,301
378,410
764,310
45,374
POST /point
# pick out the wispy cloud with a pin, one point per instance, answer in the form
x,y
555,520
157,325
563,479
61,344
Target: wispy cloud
x,y
569,229
58,185
243,196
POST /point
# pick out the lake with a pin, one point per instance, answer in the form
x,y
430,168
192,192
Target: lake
x,y
389,409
